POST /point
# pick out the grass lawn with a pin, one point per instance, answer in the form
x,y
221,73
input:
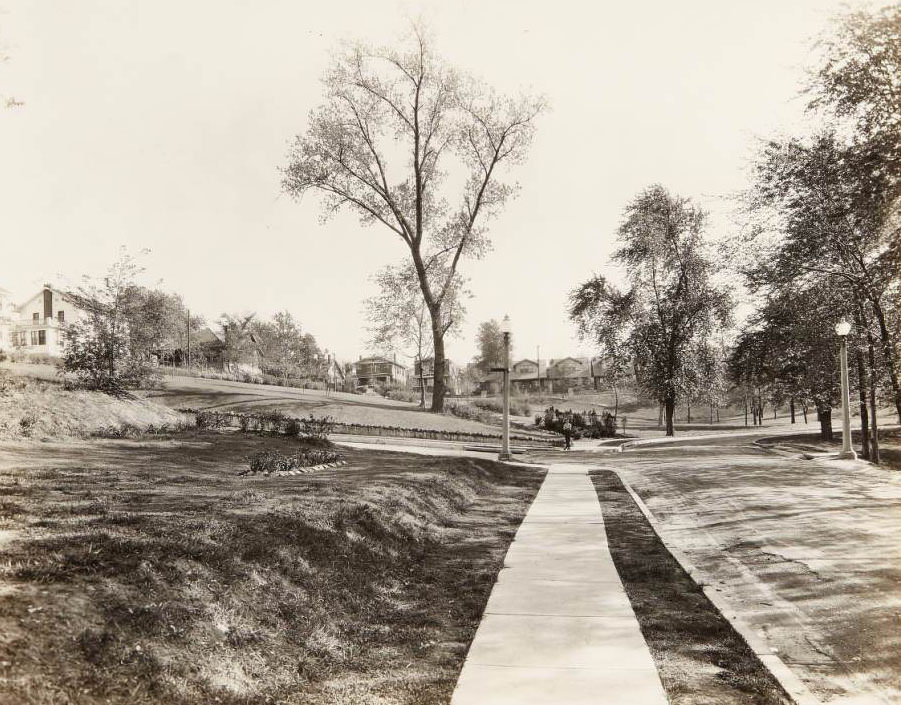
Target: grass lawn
x,y
353,409
806,552
700,657
147,571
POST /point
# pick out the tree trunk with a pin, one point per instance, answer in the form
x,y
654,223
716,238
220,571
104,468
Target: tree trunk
x,y
874,436
824,416
438,390
670,408
862,396
791,408
889,355
421,384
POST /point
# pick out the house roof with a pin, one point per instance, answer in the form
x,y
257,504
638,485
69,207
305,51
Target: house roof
x,y
57,292
205,336
542,369
379,358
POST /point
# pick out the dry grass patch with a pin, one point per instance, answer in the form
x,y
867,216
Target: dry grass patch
x,y
43,409
149,572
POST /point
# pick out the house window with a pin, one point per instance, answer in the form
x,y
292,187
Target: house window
x,y
36,317
61,316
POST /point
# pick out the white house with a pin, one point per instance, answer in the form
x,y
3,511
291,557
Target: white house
x,y
37,325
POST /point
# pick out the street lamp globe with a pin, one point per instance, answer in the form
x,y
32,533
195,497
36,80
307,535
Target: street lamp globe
x,y
843,327
505,325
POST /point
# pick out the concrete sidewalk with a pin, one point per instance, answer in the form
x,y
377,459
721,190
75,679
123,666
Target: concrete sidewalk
x,y
558,627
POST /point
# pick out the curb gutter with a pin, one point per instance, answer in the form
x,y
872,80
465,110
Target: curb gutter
x,y
792,685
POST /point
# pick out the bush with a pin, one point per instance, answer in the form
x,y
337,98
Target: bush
x,y
466,410
316,428
269,461
399,393
27,423
213,420
32,358
590,425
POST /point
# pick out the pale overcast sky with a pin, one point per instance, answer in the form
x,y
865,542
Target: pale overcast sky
x,y
162,125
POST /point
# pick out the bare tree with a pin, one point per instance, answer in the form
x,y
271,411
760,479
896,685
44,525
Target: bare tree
x,y
393,126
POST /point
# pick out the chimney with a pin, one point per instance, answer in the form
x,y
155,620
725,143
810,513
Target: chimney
x,y
48,302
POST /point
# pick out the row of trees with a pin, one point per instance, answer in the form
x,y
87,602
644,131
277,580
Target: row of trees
x,y
128,329
824,229
823,244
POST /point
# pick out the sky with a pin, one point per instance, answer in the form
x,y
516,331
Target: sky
x,y
162,126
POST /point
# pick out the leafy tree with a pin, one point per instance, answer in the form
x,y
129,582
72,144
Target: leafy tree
x,y
490,344
857,80
157,322
603,314
833,205
791,341
239,342
393,126
283,347
398,315
672,302
98,350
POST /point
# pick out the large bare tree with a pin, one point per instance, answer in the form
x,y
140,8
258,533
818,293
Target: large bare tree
x,y
395,125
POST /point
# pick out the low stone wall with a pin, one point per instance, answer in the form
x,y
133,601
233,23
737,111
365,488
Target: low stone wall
x,y
432,435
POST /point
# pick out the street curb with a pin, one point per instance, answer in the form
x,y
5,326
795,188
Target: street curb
x,y
791,684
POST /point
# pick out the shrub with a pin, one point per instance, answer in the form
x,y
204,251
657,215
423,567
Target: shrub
x,y
316,428
269,461
590,425
32,358
212,420
402,394
293,427
466,410
518,407
27,423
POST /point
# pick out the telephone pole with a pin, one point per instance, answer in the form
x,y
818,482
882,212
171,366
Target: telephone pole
x,y
189,339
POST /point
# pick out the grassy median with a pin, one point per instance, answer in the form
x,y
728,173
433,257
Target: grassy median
x,y
147,571
700,657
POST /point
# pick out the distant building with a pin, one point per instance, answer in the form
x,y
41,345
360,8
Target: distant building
x,y
37,325
369,371
573,373
452,380
206,349
555,375
529,375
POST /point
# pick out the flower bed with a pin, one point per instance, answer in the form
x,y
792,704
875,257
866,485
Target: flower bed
x,y
268,462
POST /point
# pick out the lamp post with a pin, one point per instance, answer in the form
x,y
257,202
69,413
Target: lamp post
x,y
842,328
505,440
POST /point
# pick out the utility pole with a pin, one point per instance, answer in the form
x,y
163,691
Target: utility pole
x,y
189,338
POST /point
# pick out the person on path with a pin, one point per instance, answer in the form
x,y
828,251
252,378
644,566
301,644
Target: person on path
x,y
567,433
